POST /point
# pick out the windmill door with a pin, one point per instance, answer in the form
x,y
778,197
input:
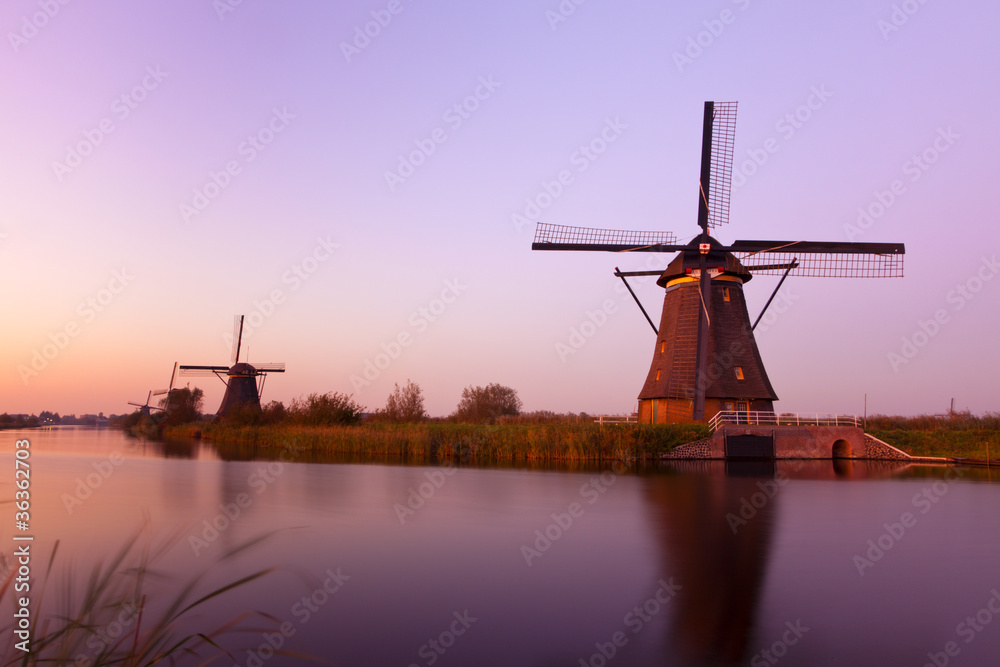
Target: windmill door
x,y
742,408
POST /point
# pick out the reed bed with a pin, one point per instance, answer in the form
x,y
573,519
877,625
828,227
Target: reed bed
x,y
960,434
472,443
110,619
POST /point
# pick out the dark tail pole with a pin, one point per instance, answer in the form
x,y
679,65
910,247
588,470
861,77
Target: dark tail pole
x,y
629,288
775,292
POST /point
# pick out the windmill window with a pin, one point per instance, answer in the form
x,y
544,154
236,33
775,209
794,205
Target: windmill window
x,y
725,294
663,346
739,372
657,373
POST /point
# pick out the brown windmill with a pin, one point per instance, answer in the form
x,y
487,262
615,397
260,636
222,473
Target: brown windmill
x,y
145,408
244,383
706,357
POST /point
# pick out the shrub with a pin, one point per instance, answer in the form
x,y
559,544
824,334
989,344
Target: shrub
x,y
487,404
404,405
325,410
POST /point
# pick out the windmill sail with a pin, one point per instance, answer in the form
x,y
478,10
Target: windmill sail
x,y
822,259
718,141
562,237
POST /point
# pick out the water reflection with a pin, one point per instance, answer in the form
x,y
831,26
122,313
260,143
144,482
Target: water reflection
x,y
717,540
753,545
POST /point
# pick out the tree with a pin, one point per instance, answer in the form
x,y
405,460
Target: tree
x,y
405,404
324,410
487,404
182,406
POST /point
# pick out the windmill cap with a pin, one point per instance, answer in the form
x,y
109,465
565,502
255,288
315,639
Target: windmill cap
x,y
717,257
242,369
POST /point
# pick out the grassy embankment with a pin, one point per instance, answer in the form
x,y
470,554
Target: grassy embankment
x,y
468,442
960,435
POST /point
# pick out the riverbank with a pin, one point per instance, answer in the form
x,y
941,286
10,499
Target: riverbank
x,y
957,436
465,442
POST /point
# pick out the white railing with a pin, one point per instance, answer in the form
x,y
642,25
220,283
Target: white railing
x,y
782,419
617,419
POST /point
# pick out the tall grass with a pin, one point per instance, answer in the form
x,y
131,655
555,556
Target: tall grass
x,y
960,434
113,622
467,442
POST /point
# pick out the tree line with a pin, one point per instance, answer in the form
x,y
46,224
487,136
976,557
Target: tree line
x,y
405,405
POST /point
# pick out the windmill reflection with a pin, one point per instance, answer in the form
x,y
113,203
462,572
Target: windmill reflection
x,y
719,555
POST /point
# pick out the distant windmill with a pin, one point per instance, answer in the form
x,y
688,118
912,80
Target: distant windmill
x,y
144,408
706,358
241,379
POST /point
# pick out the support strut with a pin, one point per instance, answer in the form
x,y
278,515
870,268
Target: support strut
x,y
629,288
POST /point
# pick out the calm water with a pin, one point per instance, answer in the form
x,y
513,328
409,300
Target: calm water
x,y
799,564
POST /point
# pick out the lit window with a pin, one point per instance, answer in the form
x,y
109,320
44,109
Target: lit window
x,y
663,346
725,294
739,372
657,373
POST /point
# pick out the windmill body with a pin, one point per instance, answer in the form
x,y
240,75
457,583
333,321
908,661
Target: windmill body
x,y
244,382
706,359
735,377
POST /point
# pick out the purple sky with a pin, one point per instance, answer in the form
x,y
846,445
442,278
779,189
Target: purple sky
x,y
165,166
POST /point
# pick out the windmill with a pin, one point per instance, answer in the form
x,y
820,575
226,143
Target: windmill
x,y
706,358
144,408
244,383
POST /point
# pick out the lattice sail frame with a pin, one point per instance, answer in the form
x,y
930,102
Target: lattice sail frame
x,y
721,183
823,264
562,234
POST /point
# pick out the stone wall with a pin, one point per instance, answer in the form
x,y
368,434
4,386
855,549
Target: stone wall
x,y
699,449
877,449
